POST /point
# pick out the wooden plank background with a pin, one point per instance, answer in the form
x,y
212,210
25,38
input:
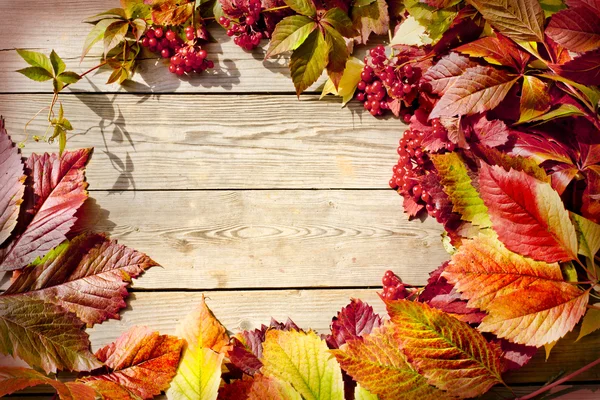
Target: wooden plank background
x,y
266,204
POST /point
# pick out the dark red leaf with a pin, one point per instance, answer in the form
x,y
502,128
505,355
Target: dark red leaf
x,y
497,50
243,358
490,133
576,28
591,196
584,69
352,322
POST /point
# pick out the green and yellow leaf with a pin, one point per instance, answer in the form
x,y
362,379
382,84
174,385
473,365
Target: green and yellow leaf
x,y
309,60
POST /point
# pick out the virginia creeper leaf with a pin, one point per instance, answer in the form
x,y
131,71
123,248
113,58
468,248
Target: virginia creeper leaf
x,y
360,393
87,276
347,85
521,20
449,353
36,59
591,200
527,214
290,33
117,13
371,18
96,34
562,111
338,54
590,323
44,335
340,21
457,185
303,7
378,364
535,99
437,21
14,379
491,133
12,185
519,163
477,90
114,34
69,77
528,301
58,65
171,12
352,322
36,74
588,235
302,359
444,73
58,191
309,60
584,69
497,50
576,29
142,361
411,33
199,373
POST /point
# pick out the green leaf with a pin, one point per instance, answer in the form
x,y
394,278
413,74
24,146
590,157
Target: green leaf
x,y
361,3
57,85
591,322
347,85
36,59
62,141
411,33
304,7
69,77
198,375
535,99
139,27
551,7
520,20
36,73
591,93
360,393
564,110
588,235
436,21
340,22
309,61
136,9
96,34
58,64
290,33
114,34
466,201
303,360
118,13
338,54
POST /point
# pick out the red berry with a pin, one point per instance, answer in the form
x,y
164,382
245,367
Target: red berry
x,y
362,85
179,70
425,197
172,68
152,42
250,20
170,35
176,60
158,32
360,96
189,35
145,41
165,53
150,34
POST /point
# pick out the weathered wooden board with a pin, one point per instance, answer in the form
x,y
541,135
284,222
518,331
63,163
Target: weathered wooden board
x,y
58,26
269,239
217,141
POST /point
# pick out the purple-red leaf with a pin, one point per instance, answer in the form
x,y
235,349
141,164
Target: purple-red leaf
x,y
584,69
576,29
490,133
58,191
11,184
445,72
352,322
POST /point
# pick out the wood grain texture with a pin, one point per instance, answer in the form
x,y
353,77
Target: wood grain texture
x,y
269,239
217,141
58,26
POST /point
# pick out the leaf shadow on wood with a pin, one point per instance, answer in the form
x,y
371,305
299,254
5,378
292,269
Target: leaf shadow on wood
x,y
112,121
91,217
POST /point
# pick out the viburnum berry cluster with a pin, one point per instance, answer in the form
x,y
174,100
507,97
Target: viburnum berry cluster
x,y
247,27
394,288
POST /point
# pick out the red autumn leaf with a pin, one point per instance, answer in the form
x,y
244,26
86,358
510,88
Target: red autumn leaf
x,y
535,99
370,18
44,335
562,175
11,184
497,50
243,358
378,364
521,20
527,214
477,90
58,191
15,379
446,71
142,361
236,390
111,390
490,133
584,69
591,196
87,276
576,29
452,355
515,355
527,301
352,322
542,148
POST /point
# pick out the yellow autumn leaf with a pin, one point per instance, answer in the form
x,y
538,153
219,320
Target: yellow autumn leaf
x,y
303,360
348,83
411,33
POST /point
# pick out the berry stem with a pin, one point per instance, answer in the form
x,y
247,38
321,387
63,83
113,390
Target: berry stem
x,y
558,382
275,8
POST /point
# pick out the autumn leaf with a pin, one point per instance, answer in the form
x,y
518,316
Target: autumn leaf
x,y
490,133
370,18
142,361
96,34
172,12
15,379
114,34
535,100
309,60
352,322
527,214
591,201
437,21
477,90
12,186
44,335
199,372
347,85
590,323
338,54
378,364
528,301
269,388
521,20
360,393
576,29
58,191
303,7
445,72
111,390
290,33
458,186
584,69
450,354
588,235
302,359
497,50
87,276
411,33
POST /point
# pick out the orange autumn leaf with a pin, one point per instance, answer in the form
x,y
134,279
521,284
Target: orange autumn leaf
x,y
201,328
13,379
378,364
451,354
527,301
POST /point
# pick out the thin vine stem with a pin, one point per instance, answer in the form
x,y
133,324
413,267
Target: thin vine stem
x,y
560,381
